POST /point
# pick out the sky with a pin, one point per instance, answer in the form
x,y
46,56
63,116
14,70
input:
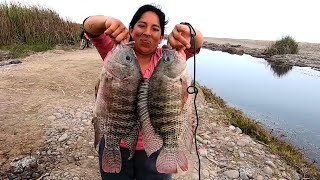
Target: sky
x,y
237,19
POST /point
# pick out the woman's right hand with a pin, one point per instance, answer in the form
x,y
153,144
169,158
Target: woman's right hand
x,y
116,30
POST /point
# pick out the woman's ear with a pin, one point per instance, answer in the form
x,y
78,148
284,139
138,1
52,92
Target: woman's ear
x,y
161,38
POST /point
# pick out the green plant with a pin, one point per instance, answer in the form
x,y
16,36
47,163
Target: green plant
x,y
286,45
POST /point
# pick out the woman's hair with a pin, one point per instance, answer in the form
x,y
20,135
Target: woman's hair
x,y
152,8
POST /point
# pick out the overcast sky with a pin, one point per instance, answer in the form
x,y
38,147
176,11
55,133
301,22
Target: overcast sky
x,y
239,19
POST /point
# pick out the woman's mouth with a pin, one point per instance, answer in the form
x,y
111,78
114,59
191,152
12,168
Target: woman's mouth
x,y
145,41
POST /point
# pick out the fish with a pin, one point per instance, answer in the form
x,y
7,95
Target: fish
x,y
115,115
164,108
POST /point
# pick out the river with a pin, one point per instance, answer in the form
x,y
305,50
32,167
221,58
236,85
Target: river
x,y
285,99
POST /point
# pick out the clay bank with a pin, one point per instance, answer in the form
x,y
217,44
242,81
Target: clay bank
x,y
308,55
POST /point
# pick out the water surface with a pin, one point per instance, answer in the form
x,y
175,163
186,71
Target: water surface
x,y
284,99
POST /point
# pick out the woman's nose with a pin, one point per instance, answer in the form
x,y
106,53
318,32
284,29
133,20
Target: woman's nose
x,y
147,32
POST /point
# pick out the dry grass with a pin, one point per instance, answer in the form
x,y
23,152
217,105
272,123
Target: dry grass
x,y
34,28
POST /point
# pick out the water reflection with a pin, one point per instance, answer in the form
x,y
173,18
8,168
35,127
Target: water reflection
x,y
280,69
285,99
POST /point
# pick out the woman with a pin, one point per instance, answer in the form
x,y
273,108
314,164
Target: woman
x,y
147,30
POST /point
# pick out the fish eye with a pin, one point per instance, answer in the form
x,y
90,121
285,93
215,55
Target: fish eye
x,y
128,58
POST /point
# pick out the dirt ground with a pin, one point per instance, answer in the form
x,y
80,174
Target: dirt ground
x,y
45,107
30,91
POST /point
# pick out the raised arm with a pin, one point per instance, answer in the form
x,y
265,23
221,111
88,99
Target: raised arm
x,y
104,32
180,38
114,28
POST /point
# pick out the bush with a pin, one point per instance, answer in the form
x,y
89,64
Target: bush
x,y
286,45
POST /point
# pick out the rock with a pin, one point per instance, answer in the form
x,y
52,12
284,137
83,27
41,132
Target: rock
x,y
206,136
295,176
206,173
238,130
242,142
271,164
57,115
213,173
267,170
232,128
51,118
231,144
91,157
15,61
18,166
231,174
243,174
199,139
78,114
259,177
63,137
202,151
241,154
195,176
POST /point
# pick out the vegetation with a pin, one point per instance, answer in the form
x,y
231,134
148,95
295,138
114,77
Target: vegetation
x,y
285,150
280,69
34,28
286,45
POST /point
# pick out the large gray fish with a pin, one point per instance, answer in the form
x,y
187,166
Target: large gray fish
x,y
115,108
164,107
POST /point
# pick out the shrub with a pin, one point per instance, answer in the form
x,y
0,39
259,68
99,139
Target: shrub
x,y
286,45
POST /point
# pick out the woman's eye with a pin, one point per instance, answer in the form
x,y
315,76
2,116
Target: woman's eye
x,y
155,29
141,25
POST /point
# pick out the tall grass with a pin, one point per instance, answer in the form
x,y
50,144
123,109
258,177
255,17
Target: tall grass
x,y
286,45
34,28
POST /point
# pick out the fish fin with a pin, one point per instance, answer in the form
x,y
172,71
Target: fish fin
x,y
111,161
97,132
131,140
166,162
185,83
152,142
182,160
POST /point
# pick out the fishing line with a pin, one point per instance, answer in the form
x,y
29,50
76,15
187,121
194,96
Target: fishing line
x,y
193,87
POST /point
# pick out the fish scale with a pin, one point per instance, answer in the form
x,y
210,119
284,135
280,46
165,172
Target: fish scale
x,y
163,105
115,108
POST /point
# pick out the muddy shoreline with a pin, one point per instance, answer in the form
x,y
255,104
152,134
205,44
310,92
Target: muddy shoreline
x,y
308,55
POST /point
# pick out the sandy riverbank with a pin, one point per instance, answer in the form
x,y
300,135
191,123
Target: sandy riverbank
x,y
308,56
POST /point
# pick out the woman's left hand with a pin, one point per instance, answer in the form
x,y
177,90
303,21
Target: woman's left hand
x,y
179,38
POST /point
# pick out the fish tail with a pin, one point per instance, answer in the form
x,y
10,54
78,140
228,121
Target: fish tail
x,y
131,140
152,142
166,162
111,161
182,160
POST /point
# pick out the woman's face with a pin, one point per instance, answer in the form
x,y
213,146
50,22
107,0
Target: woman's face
x,y
147,33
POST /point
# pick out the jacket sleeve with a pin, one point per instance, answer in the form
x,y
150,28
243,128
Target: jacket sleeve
x,y
103,44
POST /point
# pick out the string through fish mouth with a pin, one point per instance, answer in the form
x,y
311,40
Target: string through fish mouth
x,y
193,89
